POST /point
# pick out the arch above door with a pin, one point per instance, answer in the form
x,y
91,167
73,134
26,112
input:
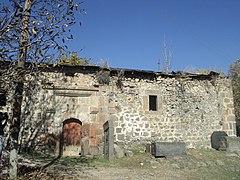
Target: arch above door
x,y
72,134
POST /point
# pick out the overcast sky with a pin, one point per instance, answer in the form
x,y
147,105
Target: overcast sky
x,y
202,34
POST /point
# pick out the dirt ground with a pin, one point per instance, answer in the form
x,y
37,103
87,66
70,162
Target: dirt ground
x,y
197,164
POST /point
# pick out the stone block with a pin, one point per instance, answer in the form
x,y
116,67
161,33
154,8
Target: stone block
x,y
138,129
166,149
234,128
232,144
92,130
93,118
226,100
102,117
217,140
85,146
120,137
112,104
148,148
109,138
145,134
230,105
94,110
128,153
93,150
118,152
225,126
145,103
228,95
102,101
112,110
231,118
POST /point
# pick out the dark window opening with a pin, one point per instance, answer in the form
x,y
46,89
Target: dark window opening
x,y
39,116
3,99
152,103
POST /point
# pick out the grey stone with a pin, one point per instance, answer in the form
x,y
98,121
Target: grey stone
x,y
175,166
232,154
94,150
220,162
233,144
118,152
108,148
202,164
154,163
85,146
217,140
166,149
128,153
100,149
210,163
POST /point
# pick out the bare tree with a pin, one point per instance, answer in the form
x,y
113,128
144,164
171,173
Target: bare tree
x,y
31,31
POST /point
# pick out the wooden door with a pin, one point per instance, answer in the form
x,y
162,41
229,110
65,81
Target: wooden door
x,y
72,130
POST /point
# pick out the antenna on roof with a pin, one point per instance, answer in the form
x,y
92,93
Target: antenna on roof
x,y
167,56
158,65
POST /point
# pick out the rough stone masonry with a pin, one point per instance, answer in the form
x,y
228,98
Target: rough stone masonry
x,y
143,105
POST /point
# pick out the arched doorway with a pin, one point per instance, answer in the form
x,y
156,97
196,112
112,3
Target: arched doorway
x,y
72,131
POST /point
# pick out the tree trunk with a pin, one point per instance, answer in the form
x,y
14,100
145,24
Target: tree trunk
x,y
14,129
18,92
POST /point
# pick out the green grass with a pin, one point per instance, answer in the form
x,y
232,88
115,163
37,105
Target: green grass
x,y
137,151
217,164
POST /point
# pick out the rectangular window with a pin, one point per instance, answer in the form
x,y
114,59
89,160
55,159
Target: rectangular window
x,y
152,103
3,99
39,116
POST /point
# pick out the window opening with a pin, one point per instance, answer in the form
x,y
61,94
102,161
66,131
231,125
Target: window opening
x,y
3,99
152,103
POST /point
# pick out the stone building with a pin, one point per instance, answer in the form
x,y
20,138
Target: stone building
x,y
70,104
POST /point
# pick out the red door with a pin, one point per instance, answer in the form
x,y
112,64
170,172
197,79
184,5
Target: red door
x,y
72,137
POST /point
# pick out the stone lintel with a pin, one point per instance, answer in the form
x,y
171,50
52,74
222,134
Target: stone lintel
x,y
84,88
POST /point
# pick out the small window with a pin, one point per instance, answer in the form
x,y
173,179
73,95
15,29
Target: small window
x,y
39,115
3,99
152,103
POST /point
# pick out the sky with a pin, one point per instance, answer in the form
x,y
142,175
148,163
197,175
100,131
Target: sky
x,y
200,34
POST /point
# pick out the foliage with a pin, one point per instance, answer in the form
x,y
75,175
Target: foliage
x,y
137,150
103,77
46,31
105,65
120,77
74,60
234,73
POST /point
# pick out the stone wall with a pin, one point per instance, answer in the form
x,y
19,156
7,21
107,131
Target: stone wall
x,y
188,110
188,107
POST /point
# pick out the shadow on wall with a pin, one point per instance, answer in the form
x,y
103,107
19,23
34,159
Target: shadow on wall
x,y
29,128
238,128
67,143
34,123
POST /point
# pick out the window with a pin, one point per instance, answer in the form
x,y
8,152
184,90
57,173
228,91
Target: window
x,y
39,116
3,99
152,103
